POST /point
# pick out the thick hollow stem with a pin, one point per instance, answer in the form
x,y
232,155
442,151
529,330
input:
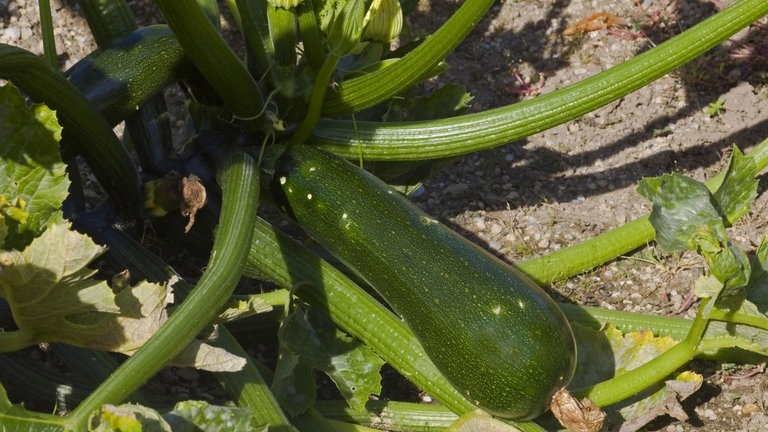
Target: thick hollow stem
x,y
239,181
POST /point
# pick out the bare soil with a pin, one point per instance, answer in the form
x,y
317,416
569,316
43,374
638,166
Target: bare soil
x,y
567,184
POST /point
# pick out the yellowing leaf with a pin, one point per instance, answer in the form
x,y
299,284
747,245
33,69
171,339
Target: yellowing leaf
x,y
53,298
33,181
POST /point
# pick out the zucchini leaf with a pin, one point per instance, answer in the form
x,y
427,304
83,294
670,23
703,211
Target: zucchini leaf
x,y
128,418
200,416
687,216
739,188
33,181
684,213
309,340
186,416
54,298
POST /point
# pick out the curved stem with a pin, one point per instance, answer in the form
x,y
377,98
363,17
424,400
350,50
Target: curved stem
x,y
239,179
630,383
600,249
740,318
213,57
46,28
316,100
488,129
248,387
368,90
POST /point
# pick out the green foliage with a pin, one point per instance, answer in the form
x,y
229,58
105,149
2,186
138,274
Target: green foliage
x,y
33,182
48,270
714,109
310,341
686,215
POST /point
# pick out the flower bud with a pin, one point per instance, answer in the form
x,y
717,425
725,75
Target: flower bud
x,y
285,4
385,20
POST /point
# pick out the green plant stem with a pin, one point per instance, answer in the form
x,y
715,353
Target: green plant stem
x,y
322,80
488,129
256,31
213,57
600,249
632,382
595,317
740,318
248,387
368,90
46,28
239,180
85,130
283,30
314,51
108,20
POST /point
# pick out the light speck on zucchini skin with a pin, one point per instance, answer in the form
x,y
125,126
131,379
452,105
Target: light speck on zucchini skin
x,y
497,337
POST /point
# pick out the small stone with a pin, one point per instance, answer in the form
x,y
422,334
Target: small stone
x,y
456,189
13,33
709,414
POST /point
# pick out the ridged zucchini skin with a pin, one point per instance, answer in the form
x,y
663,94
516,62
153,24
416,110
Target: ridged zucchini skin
x,y
120,77
497,337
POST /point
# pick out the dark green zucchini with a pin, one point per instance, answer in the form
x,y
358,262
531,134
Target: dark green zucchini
x,y
497,337
118,78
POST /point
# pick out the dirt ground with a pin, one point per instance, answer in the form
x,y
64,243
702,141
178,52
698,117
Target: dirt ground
x,y
577,180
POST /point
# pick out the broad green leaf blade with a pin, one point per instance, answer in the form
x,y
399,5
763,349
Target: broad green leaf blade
x,y
294,383
352,366
739,188
200,416
731,266
128,418
683,215
33,181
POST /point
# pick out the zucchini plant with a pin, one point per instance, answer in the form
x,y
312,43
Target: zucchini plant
x,y
286,177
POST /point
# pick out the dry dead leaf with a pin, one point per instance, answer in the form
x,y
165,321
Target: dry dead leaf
x,y
677,390
597,21
577,415
192,198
